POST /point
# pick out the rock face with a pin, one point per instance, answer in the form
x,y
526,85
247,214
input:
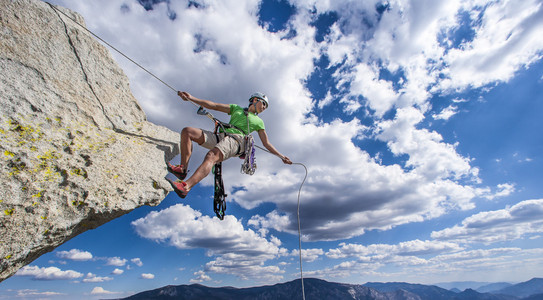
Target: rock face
x,y
76,149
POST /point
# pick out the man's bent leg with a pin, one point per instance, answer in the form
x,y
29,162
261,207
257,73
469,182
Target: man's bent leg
x,y
212,157
189,135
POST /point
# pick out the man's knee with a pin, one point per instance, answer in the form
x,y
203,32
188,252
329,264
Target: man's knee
x,y
193,134
187,131
214,155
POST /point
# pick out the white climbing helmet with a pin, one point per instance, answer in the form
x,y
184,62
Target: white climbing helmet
x,y
260,96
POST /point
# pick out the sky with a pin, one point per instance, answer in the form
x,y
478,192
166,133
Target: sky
x,y
418,120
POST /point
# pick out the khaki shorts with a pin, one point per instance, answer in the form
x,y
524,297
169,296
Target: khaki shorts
x,y
230,146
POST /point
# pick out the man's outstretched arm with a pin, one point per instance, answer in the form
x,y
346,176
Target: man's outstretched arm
x,y
266,143
225,108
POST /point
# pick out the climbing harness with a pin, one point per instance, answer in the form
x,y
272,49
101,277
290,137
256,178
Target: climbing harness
x,y
219,203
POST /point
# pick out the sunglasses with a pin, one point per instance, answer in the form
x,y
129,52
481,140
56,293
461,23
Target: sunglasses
x,y
263,103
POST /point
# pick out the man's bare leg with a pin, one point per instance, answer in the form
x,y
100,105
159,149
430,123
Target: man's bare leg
x,y
212,157
189,135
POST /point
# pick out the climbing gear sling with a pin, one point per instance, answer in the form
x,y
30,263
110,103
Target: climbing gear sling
x,y
219,202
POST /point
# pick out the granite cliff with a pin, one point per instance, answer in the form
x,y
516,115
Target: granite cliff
x,y
76,148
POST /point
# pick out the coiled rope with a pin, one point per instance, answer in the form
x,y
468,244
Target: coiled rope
x,y
170,87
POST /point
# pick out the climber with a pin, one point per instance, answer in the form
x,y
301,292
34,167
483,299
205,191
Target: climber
x,y
222,145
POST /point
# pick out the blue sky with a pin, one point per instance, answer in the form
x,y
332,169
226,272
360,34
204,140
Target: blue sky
x,y
419,122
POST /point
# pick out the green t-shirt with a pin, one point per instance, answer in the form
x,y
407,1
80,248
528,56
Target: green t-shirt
x,y
238,119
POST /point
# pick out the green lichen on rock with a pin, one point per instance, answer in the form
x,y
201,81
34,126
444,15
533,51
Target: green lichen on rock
x,y
76,148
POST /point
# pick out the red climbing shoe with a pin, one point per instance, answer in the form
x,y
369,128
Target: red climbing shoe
x,y
177,170
179,187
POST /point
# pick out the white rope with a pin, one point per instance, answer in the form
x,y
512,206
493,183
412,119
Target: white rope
x,y
298,217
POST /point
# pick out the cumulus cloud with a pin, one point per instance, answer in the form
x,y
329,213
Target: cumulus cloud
x,y
506,40
409,248
137,261
50,273
446,113
526,217
427,152
90,277
201,276
117,271
238,251
147,276
308,255
75,254
503,189
116,261
26,293
101,291
375,262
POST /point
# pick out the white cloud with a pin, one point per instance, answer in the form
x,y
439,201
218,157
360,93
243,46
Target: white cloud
x,y
116,261
409,248
446,113
506,40
239,251
201,276
50,273
117,271
244,267
428,154
75,254
511,223
391,263
101,291
380,93
147,276
504,189
90,277
308,255
31,293
137,261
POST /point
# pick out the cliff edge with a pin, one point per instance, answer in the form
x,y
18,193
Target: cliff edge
x,y
76,148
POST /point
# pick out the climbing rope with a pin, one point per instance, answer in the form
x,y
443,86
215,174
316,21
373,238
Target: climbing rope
x,y
298,216
170,87
299,230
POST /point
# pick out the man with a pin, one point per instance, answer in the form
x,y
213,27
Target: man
x,y
224,145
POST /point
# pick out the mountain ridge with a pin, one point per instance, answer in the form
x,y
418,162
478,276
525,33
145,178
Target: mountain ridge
x,y
324,290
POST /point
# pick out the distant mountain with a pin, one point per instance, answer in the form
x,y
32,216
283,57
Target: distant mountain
x,y
523,289
423,291
314,289
324,290
432,292
534,297
492,287
462,285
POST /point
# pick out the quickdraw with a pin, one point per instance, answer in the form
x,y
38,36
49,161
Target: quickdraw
x,y
219,202
249,159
